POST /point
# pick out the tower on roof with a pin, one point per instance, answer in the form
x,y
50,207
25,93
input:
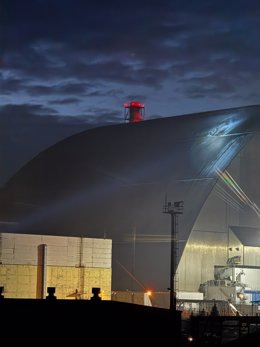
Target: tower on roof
x,y
134,111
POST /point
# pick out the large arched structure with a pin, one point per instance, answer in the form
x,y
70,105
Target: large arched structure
x,y
112,182
228,225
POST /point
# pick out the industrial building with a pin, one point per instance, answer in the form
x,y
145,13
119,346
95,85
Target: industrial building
x,y
116,183
72,266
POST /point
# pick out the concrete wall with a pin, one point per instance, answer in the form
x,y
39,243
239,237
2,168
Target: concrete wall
x,y
62,251
74,265
128,296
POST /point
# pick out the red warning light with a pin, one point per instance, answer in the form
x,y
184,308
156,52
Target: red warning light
x,y
134,111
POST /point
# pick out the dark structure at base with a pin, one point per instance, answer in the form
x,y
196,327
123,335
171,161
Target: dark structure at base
x,y
225,331
54,321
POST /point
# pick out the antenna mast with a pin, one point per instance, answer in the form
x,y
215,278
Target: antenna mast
x,y
174,210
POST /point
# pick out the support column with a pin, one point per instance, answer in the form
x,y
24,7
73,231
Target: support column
x,y
41,272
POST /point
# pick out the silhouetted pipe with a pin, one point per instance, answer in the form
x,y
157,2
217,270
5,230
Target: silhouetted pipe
x,y
41,271
1,292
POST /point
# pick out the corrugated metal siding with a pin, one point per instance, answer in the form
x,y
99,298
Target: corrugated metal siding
x,y
252,256
202,252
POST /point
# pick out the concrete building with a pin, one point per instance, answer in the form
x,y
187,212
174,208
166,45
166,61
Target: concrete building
x,y
29,264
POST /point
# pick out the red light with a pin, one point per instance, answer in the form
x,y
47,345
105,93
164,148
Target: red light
x,y
136,111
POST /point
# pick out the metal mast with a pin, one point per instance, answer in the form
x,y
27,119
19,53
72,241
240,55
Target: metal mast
x,y
174,210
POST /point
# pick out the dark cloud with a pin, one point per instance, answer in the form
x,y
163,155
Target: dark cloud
x,y
26,130
79,61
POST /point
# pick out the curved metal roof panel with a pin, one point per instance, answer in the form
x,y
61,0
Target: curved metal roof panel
x,y
113,180
248,236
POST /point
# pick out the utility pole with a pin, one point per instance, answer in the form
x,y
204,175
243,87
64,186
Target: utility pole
x,y
133,260
174,210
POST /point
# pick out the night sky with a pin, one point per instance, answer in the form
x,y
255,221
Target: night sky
x,y
68,65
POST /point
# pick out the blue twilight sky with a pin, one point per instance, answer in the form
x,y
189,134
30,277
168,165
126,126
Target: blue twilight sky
x,y
68,65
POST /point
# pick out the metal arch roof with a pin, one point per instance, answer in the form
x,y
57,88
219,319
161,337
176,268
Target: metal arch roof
x,y
248,236
111,180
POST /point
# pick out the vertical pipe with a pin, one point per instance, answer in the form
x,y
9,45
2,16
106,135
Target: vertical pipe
x,y
44,270
173,263
41,272
133,260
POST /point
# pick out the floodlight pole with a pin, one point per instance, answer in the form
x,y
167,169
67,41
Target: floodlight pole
x,y
174,210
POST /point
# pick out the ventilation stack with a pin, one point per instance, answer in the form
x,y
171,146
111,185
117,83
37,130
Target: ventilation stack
x,y
134,111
